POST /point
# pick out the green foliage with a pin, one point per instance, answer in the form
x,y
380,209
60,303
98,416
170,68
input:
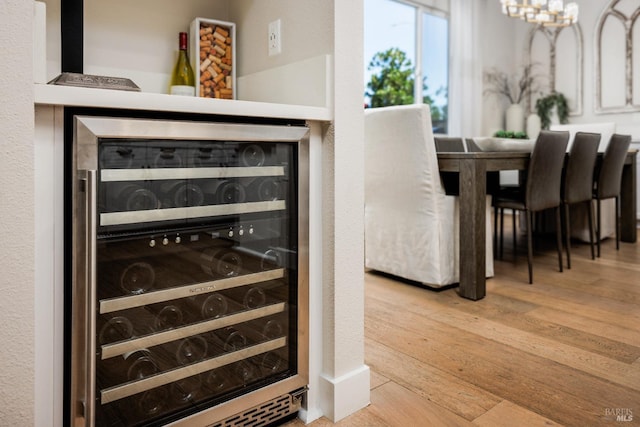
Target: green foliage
x,y
393,82
545,105
510,134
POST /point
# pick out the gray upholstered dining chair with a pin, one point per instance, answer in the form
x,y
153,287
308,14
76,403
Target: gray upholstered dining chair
x,y
577,183
609,179
542,189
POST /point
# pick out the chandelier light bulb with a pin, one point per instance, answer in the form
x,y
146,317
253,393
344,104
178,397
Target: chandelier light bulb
x,y
555,6
549,13
571,12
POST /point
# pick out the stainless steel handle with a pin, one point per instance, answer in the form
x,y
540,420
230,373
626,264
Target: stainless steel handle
x,y
91,211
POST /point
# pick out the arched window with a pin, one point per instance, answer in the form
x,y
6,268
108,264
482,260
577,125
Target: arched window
x,y
559,50
616,57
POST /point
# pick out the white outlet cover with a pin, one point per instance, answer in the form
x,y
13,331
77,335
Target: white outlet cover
x,y
275,38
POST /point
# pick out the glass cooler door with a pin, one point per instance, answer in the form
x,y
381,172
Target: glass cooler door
x,y
193,298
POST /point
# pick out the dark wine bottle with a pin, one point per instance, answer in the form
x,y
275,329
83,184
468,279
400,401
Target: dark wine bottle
x,y
222,262
252,297
116,157
168,157
231,338
152,402
252,155
271,363
129,196
244,372
130,366
186,390
187,350
208,155
180,194
217,380
223,191
167,316
115,328
137,278
264,189
208,306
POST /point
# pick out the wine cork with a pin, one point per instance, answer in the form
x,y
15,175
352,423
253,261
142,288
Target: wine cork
x,y
215,60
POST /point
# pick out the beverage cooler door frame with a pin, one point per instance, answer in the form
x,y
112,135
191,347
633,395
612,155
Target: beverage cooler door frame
x,y
87,132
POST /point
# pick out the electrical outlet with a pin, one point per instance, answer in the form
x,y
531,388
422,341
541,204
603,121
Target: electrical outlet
x,y
275,38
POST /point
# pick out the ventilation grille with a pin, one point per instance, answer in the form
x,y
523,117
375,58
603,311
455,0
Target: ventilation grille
x,y
265,413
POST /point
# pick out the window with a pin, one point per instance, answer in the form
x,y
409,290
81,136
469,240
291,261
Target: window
x,y
404,43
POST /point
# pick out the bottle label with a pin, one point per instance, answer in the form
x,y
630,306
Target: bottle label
x,y
183,90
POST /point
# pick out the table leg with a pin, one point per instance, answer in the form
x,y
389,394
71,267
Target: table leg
x,y
472,200
628,230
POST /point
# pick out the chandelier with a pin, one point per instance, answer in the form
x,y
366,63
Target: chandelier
x,y
550,13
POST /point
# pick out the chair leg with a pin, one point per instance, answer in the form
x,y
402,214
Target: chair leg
x,y
617,200
598,227
530,245
501,232
591,230
513,224
495,232
559,236
567,231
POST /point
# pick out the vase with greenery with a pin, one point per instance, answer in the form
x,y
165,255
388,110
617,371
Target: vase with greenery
x,y
544,108
514,89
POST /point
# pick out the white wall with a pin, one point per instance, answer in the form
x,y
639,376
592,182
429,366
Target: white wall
x,y
306,29
506,42
16,215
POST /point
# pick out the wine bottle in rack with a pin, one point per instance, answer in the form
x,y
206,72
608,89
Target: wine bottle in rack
x,y
207,154
167,316
115,328
152,402
224,191
217,380
222,262
260,260
264,189
130,366
249,297
208,306
182,78
272,329
181,193
186,390
116,157
187,350
137,277
129,196
167,157
271,363
231,338
244,372
252,155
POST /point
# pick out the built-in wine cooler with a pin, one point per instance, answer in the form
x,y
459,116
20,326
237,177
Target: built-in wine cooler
x,y
189,273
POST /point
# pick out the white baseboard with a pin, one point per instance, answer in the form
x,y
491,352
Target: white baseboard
x,y
342,396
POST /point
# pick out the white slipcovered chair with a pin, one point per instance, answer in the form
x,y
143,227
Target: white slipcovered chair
x,y
580,215
411,226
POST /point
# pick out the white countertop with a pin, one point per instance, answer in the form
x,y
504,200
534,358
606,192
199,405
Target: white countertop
x,y
106,98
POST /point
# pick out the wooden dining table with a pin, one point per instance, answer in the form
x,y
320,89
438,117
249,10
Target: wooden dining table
x,y
472,168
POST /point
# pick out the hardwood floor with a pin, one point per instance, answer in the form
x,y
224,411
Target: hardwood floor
x,y
563,351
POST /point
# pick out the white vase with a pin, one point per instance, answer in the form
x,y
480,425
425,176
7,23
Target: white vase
x,y
515,118
533,126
